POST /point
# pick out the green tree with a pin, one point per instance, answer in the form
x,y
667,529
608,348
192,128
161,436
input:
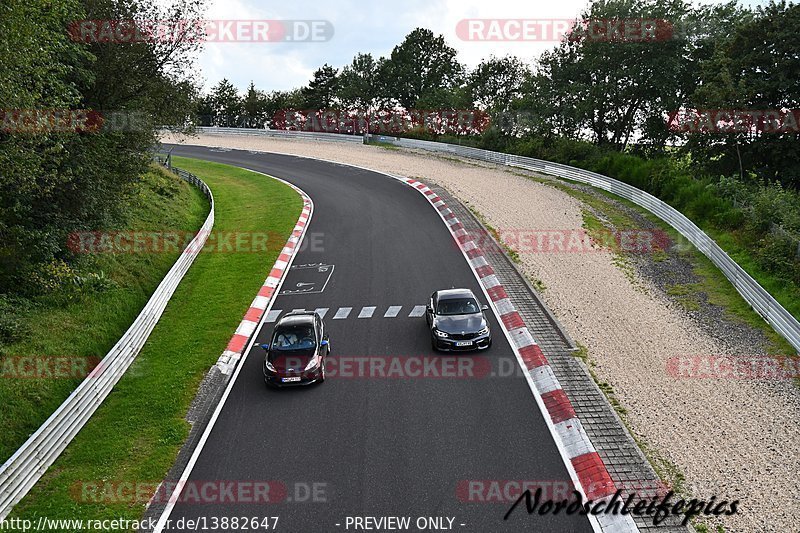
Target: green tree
x,y
754,65
497,82
420,67
615,90
254,107
53,182
322,89
38,64
226,105
361,83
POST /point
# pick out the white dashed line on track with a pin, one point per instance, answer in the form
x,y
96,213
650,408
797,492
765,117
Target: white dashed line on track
x,y
342,313
366,312
393,311
418,310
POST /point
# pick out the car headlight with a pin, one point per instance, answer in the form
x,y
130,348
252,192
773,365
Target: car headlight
x,y
441,334
269,365
484,331
313,363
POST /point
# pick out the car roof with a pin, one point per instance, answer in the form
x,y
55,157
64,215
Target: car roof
x,y
296,318
448,294
300,312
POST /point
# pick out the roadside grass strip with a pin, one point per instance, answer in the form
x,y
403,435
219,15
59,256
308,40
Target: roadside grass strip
x,y
115,463
75,328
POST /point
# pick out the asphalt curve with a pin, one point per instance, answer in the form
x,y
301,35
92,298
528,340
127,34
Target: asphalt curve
x,y
376,445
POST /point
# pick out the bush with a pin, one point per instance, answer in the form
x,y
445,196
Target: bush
x,y
777,253
12,325
765,217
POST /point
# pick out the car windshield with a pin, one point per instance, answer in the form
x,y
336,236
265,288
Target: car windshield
x,y
299,337
458,306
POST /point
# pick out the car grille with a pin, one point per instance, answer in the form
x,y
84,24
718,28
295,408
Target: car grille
x,y
463,336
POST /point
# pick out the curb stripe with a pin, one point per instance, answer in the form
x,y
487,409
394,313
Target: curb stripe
x,y
260,302
558,405
533,357
593,475
254,314
236,343
249,323
266,292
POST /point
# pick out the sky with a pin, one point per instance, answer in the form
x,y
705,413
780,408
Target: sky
x,y
374,26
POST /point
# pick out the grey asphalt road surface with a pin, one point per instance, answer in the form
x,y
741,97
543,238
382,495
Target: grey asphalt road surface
x,y
370,442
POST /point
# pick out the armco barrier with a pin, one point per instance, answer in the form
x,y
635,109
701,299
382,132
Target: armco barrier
x,y
35,456
759,299
283,134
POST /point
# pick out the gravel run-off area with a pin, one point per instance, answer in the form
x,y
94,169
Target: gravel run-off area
x,y
736,439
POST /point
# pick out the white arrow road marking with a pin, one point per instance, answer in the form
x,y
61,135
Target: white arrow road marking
x,y
366,312
343,312
393,311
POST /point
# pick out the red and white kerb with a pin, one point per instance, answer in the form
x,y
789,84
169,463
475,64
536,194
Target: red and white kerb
x,y
592,474
230,357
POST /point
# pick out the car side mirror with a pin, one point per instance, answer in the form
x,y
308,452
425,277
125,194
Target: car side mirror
x,y
265,346
323,342
429,309
484,307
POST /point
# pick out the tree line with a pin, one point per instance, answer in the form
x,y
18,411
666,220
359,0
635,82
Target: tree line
x,y
615,95
662,114
79,120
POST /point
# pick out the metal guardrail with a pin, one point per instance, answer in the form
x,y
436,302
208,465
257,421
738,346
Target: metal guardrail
x,y
22,470
759,299
284,134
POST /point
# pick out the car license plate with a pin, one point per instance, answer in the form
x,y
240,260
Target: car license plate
x,y
464,343
289,380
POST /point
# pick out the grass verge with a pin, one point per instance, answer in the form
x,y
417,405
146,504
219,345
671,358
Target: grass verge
x,y
136,435
79,325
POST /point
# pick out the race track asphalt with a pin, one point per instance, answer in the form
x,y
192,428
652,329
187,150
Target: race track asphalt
x,y
376,445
